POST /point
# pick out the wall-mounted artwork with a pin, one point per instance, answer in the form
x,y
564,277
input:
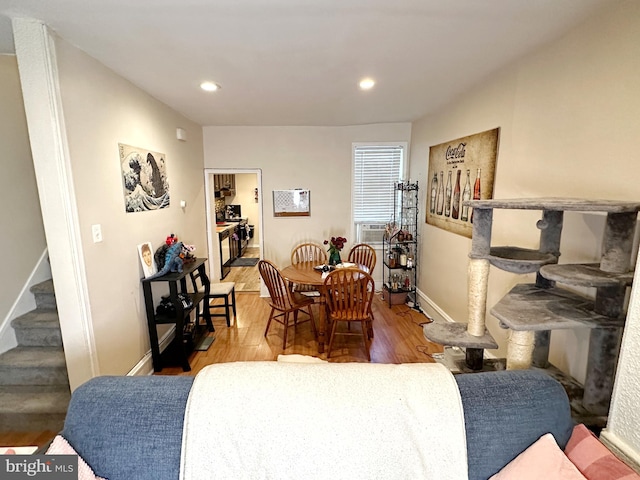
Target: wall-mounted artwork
x,y
461,169
144,178
291,203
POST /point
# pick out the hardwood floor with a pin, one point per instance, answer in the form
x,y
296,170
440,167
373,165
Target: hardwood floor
x,y
398,339
247,278
25,439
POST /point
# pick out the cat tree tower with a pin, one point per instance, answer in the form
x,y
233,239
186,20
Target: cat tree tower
x,y
532,311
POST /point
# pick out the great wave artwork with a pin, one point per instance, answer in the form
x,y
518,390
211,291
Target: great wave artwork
x,y
144,178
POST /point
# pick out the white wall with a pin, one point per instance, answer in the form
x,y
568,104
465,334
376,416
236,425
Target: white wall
x,y
317,158
20,217
623,427
568,115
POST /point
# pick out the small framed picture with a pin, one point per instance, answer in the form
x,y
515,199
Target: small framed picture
x,y
146,259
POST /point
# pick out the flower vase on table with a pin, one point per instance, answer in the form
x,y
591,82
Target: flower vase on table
x,y
335,245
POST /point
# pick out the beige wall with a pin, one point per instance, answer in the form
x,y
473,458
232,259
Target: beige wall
x,y
568,115
20,217
101,110
317,158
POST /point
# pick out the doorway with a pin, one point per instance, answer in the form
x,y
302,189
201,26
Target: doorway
x,y
234,226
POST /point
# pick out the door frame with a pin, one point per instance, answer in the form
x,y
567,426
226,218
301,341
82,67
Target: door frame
x,y
213,254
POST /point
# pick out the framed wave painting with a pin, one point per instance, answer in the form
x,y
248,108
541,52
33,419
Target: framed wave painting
x,y
144,179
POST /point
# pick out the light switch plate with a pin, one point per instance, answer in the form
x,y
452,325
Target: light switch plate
x,y
96,232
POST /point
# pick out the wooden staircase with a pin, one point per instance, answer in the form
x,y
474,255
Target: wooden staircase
x,y
34,385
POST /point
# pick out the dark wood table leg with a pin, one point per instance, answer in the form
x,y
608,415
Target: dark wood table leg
x,y
322,327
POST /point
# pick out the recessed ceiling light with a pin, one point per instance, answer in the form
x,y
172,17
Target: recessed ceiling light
x,y
367,83
210,86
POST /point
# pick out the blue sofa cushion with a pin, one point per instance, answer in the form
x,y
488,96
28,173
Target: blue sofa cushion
x,y
507,411
129,428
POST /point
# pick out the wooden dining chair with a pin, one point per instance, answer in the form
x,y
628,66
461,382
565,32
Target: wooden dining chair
x,y
364,255
307,252
283,300
349,294
223,290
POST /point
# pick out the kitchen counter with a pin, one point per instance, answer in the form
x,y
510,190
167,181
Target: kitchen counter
x,y
225,226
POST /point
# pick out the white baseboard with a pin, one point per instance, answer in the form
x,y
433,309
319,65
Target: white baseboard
x,y
621,449
145,365
435,309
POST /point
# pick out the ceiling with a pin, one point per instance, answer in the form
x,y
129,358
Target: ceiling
x,y
298,62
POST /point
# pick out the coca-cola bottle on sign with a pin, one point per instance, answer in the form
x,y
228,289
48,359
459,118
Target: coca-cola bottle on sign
x,y
466,195
440,204
455,207
476,191
434,193
447,198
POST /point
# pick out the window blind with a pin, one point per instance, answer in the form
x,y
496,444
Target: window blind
x,y
376,169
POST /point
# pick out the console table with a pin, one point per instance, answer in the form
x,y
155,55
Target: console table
x,y
177,284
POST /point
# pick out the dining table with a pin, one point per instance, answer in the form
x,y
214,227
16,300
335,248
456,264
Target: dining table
x,y
310,273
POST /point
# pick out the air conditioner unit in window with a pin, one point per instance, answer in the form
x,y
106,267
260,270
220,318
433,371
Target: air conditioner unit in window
x,y
371,233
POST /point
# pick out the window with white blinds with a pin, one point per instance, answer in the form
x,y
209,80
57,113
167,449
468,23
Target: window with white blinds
x,y
376,169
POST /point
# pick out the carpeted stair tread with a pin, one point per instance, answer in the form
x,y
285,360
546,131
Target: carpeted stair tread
x,y
43,287
29,357
39,318
34,384
33,366
32,422
35,389
38,328
53,402
44,294
26,412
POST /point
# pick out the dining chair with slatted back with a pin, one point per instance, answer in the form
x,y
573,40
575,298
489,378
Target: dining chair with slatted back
x,y
363,254
349,294
283,300
307,252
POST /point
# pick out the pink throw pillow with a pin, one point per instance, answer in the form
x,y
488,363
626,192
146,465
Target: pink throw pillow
x,y
543,459
60,446
593,459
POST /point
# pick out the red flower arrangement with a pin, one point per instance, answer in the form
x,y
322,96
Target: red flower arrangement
x,y
335,244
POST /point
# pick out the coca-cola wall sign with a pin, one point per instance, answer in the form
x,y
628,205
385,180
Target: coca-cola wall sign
x,y
462,169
